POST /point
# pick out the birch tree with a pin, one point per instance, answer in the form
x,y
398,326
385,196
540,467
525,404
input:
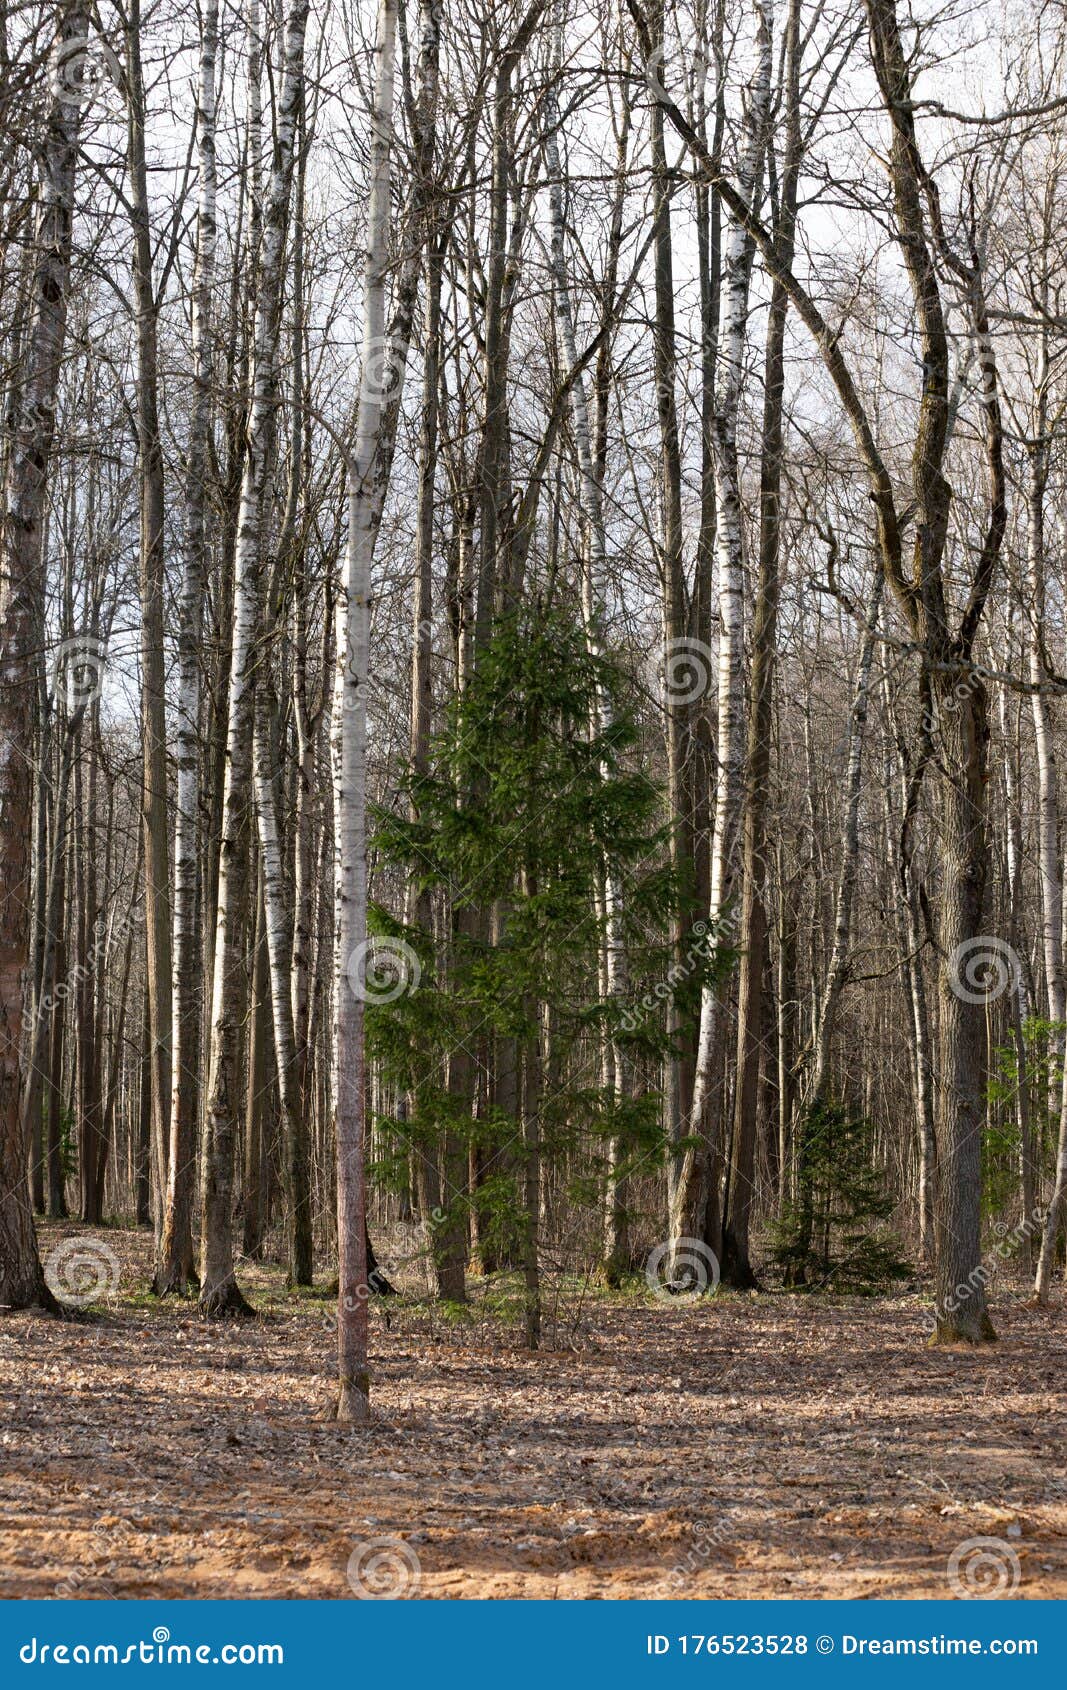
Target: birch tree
x,y
350,770
700,1162
219,1292
175,1268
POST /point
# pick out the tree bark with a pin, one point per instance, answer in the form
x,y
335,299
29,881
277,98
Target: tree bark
x,y
754,848
219,1292
350,768
174,1270
697,1174
22,604
154,798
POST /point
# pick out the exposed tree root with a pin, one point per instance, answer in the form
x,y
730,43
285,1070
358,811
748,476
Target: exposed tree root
x,y
353,1401
175,1282
220,1302
952,1333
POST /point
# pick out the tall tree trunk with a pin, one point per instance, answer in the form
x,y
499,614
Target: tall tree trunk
x,y
912,942
427,1171
960,1302
697,1174
278,925
255,1172
22,615
1056,1213
50,915
267,757
174,1271
678,660
219,1292
57,1194
154,799
35,1033
143,1171
350,768
753,925
1019,1005
91,945
1048,820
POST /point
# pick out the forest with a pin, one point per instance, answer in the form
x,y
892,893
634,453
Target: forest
x,y
533,911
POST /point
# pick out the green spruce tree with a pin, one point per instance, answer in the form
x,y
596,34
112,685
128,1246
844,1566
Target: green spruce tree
x,y
526,804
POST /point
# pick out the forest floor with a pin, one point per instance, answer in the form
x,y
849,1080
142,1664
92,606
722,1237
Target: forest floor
x,y
738,1446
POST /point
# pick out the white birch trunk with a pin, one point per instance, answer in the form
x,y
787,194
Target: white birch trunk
x,y
1057,1209
1048,828
690,1189
279,932
350,749
218,1285
176,1248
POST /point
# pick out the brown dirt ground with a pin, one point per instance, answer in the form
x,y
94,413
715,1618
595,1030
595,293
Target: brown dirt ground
x,y
755,1446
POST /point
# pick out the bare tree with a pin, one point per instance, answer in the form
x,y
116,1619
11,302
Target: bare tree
x,y
22,605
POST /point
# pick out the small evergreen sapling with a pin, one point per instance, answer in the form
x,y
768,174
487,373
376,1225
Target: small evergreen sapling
x,y
834,1233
